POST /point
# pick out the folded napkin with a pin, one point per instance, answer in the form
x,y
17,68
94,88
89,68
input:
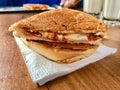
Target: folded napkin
x,y
43,70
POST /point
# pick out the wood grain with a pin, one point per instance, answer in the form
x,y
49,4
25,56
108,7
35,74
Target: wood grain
x,y
13,72
101,75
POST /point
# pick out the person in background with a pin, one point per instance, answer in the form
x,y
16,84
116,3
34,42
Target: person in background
x,y
71,3
64,3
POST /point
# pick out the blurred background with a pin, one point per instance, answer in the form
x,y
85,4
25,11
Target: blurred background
x,y
106,10
48,2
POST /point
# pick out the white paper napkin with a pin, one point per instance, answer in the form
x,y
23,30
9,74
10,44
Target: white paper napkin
x,y
43,70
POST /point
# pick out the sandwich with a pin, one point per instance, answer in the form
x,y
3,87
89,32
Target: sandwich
x,y
35,6
61,35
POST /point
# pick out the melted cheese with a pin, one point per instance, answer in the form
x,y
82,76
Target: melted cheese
x,y
100,33
71,37
76,37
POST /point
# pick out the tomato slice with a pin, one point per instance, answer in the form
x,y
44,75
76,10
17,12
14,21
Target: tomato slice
x,y
55,37
92,37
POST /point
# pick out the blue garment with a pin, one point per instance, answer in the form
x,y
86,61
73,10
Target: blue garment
x,y
49,2
80,4
21,2
3,2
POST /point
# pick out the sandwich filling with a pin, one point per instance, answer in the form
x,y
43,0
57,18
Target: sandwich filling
x,y
67,40
87,38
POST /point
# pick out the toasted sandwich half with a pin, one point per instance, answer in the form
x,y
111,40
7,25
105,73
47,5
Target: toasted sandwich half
x,y
61,35
35,6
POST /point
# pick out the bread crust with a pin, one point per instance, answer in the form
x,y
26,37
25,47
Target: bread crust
x,y
62,21
57,54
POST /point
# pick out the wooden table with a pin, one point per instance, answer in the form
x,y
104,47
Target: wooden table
x,y
102,75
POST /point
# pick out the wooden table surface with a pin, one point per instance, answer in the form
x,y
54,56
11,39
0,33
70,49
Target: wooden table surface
x,y
101,75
